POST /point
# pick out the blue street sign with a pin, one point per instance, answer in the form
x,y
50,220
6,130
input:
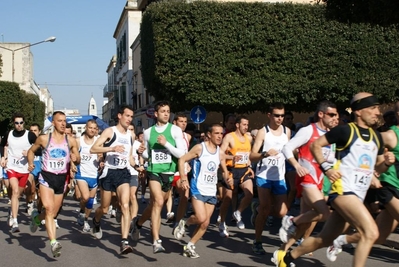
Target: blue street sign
x,y
198,114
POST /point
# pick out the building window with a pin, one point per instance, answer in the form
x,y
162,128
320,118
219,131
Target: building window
x,y
139,99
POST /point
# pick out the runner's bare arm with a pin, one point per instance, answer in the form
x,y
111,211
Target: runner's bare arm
x,y
75,155
31,152
390,139
98,144
316,149
384,161
255,155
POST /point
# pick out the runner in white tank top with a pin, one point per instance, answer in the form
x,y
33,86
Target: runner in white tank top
x,y
270,171
207,157
87,173
346,199
116,142
18,141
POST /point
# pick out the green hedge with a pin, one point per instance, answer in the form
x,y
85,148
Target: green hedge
x,y
240,57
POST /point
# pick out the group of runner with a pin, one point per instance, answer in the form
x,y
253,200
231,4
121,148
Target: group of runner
x,y
334,164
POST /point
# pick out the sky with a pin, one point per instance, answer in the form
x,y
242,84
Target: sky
x,y
73,67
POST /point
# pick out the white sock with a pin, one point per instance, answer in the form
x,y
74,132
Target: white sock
x,y
238,212
341,240
15,220
189,244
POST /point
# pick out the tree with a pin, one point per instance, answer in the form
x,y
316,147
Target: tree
x,y
10,102
13,100
239,57
32,108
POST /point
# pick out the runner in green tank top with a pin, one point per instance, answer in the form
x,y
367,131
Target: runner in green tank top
x,y
164,146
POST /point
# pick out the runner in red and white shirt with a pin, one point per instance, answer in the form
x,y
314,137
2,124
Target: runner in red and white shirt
x,y
18,142
309,179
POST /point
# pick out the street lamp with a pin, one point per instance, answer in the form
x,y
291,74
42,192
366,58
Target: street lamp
x,y
50,39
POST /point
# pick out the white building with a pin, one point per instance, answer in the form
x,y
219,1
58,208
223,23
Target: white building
x,y
120,75
18,67
92,110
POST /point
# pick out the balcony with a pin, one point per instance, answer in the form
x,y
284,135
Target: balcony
x,y
107,92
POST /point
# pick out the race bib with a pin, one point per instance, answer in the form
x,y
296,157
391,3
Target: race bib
x,y
17,162
210,178
119,162
362,179
244,157
273,161
85,157
55,164
161,156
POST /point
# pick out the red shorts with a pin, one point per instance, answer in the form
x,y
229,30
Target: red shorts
x,y
22,177
304,181
175,179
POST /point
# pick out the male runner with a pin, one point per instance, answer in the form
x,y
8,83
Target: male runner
x,y
164,145
34,175
385,192
360,150
309,180
237,146
207,157
180,121
270,171
116,142
57,151
18,142
87,173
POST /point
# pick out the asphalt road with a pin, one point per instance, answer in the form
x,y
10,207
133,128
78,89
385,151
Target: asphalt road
x,y
81,249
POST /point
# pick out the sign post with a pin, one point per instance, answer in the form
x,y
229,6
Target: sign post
x,y
198,114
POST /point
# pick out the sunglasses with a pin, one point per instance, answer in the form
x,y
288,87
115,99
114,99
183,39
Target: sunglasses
x,y
332,115
278,115
18,122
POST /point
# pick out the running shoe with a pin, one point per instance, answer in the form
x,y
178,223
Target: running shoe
x,y
35,221
56,249
287,229
274,260
254,209
15,227
189,252
238,218
333,251
96,230
278,258
223,230
157,247
257,248
218,220
125,248
10,219
180,230
29,208
56,224
135,232
118,216
86,227
170,216
81,219
113,213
